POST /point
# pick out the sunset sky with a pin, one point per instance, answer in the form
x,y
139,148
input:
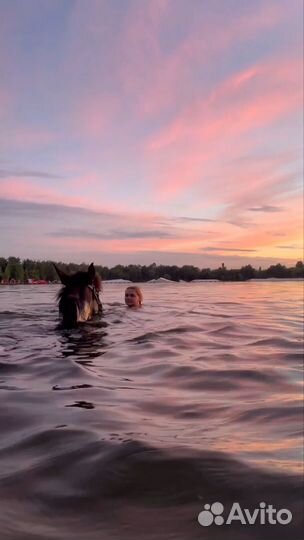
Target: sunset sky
x,y
165,131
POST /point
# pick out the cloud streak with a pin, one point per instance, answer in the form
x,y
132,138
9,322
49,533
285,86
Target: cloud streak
x,y
265,208
10,173
220,249
112,234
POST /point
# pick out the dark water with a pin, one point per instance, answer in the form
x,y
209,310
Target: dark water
x,y
125,428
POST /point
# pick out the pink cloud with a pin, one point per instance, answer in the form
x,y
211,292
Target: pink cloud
x,y
237,99
123,246
31,191
188,149
28,191
159,80
184,237
260,241
263,235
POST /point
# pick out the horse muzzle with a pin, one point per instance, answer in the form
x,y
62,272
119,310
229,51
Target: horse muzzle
x,y
69,312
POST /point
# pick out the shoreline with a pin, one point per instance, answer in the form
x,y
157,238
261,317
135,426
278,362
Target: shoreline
x,y
165,281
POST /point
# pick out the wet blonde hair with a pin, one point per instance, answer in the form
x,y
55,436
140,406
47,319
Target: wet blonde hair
x,y
137,290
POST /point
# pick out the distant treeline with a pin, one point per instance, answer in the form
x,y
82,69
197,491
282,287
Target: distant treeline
x,y
19,270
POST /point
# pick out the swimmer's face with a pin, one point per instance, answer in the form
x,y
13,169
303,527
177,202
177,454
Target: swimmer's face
x,y
132,298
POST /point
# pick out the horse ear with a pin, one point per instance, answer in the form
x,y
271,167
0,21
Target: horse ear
x,y
91,272
64,278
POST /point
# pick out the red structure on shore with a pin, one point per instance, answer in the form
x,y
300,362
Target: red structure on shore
x,y
27,282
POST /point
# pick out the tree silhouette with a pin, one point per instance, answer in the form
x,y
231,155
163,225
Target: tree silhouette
x,y
13,268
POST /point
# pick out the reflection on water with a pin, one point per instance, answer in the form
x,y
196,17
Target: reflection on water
x,y
125,427
84,343
82,404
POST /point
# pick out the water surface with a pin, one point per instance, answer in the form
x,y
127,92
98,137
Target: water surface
x,y
125,427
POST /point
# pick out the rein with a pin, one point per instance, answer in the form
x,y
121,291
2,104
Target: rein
x,y
96,296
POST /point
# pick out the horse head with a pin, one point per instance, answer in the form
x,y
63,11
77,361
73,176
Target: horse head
x,y
78,300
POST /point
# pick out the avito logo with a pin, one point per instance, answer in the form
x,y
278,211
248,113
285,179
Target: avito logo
x,y
261,515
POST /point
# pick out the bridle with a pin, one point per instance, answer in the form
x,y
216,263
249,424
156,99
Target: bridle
x,y
96,296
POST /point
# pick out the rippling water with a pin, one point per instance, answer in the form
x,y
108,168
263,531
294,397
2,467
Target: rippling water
x,y
127,426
